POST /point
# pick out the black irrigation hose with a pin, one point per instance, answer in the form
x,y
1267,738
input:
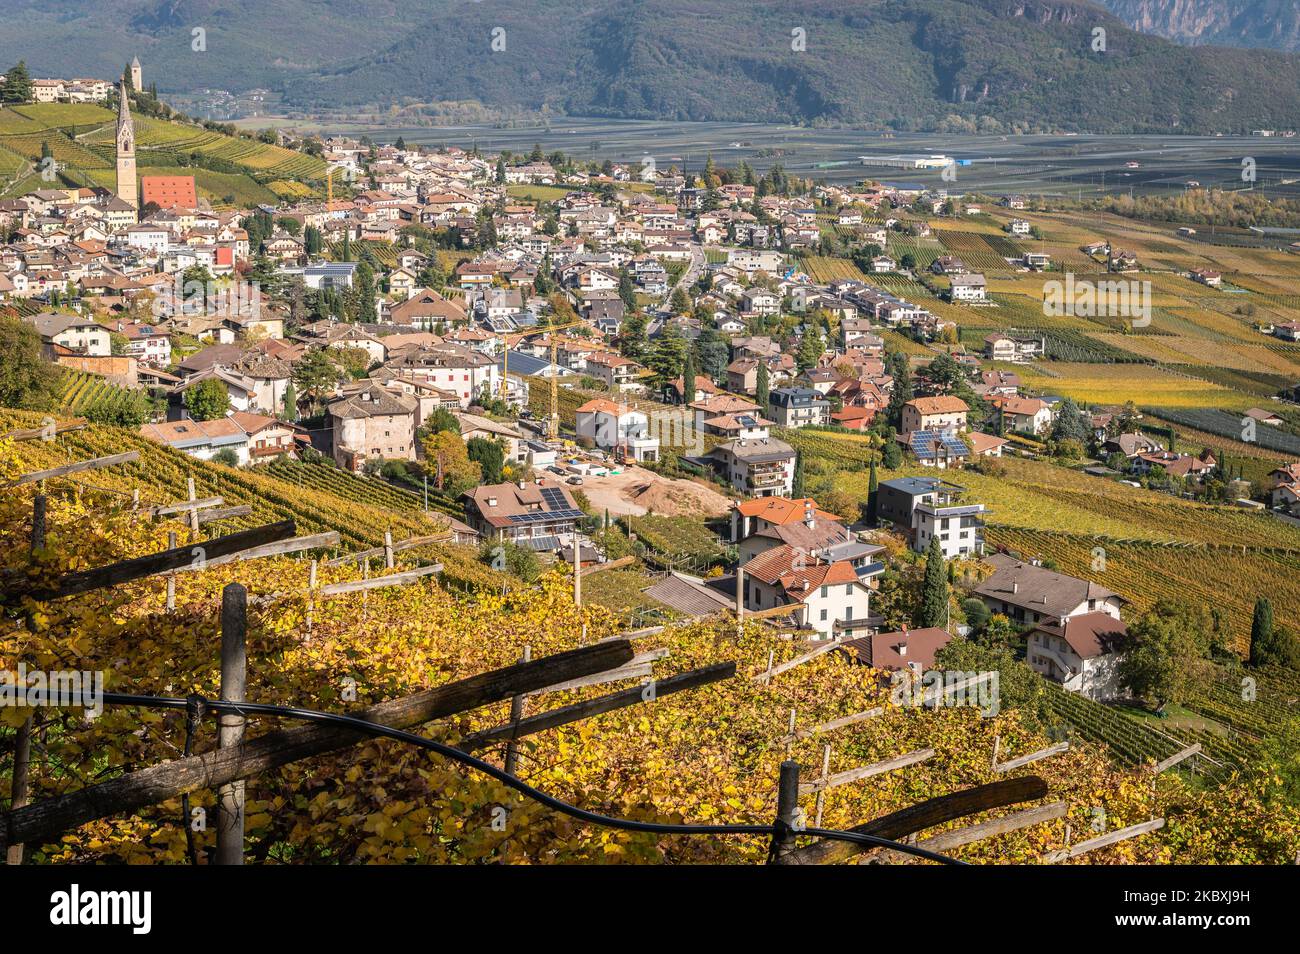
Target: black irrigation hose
x,y
537,795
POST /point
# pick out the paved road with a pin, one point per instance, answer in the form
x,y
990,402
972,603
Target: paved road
x,y
692,273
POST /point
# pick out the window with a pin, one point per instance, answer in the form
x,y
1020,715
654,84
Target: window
x,y
823,616
825,591
848,589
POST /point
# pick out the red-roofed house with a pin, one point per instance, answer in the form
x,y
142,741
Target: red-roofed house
x,y
1081,653
826,597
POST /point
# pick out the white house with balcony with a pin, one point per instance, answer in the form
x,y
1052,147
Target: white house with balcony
x,y
1081,652
618,427
828,597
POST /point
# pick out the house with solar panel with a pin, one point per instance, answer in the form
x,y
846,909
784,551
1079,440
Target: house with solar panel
x,y
539,516
923,508
943,449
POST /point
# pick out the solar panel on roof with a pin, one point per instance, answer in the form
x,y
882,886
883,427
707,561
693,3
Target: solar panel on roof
x,y
554,498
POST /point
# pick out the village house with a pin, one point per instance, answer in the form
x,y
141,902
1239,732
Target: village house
x,y
938,413
372,424
759,468
827,597
1081,652
619,428
1032,594
539,515
799,407
926,507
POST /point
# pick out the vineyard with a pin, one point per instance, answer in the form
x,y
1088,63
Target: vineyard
x,y
352,506
1224,424
708,755
681,542
84,394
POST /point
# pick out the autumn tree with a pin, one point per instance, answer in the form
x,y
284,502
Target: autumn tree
x,y
447,460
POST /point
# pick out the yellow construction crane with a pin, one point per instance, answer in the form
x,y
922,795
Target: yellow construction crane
x,y
553,421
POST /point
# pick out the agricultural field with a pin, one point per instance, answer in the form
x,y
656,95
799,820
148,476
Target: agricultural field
x,y
537,193
1145,385
822,269
80,137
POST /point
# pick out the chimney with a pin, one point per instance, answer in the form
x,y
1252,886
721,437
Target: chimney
x,y
492,501
1015,587
902,649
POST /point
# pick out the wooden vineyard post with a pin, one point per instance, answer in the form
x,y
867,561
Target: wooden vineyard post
x,y
311,597
740,601
171,577
516,713
23,737
787,811
388,549
234,674
194,512
577,570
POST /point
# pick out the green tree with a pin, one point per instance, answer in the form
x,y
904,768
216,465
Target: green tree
x,y
626,290
713,353
797,482
762,386
811,349
1071,424
489,455
667,355
208,400
900,370
1163,653
316,375
680,302
892,455
632,341
290,404
934,589
17,87
977,613
27,380
688,377
1271,645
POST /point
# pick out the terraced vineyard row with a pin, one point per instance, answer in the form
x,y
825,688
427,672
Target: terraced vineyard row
x,y
83,393
366,490
161,474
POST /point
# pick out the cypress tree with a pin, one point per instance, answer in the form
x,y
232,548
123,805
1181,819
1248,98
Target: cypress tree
x,y
934,589
1261,632
873,487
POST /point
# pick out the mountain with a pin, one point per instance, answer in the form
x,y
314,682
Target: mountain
x,y
949,65
1271,24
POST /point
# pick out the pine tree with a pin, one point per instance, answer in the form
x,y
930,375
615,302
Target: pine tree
x,y
796,485
934,589
17,86
762,386
688,378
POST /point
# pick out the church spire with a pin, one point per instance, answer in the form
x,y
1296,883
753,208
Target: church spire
x,y
127,189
